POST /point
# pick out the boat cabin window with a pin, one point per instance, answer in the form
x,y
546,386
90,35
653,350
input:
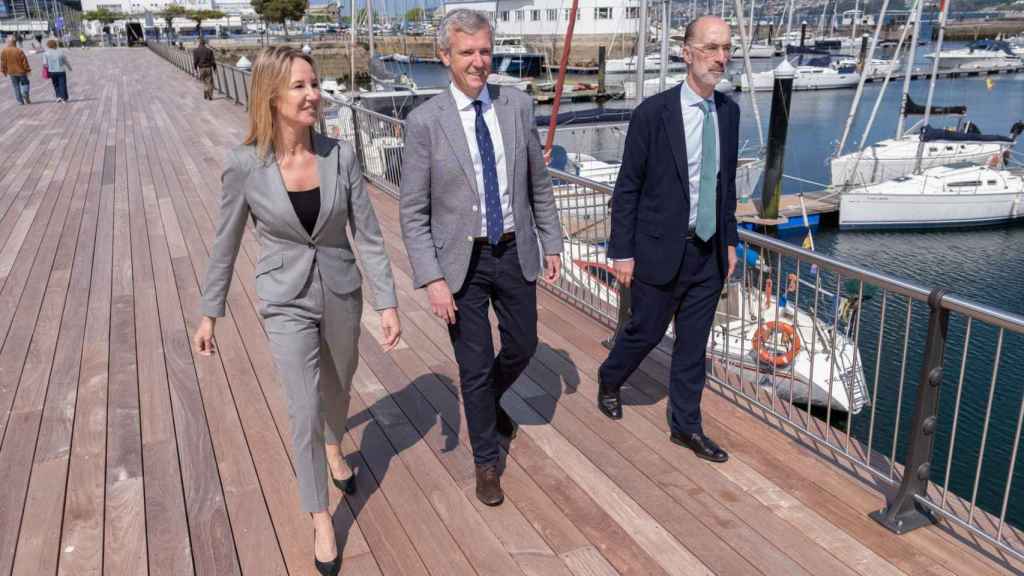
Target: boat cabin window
x,y
991,182
933,149
949,147
965,184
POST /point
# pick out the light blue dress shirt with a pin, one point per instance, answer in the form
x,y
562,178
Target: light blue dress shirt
x,y
693,129
467,114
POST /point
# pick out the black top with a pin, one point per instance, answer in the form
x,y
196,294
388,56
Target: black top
x,y
203,57
307,207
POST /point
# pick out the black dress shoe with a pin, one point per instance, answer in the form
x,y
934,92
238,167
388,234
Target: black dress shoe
x,y
609,401
348,485
701,445
505,425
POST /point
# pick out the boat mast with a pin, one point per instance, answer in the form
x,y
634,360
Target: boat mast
x,y
866,65
749,71
750,33
369,28
821,20
352,26
560,83
854,18
943,10
878,102
789,23
666,16
641,49
916,15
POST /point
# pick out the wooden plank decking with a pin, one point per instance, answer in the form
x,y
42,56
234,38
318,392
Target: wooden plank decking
x,y
122,453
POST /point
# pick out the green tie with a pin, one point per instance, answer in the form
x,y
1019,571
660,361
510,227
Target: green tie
x,y
708,176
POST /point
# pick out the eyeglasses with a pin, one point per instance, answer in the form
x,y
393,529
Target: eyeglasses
x,y
726,49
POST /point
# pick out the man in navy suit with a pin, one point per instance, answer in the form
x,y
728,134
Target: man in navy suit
x,y
673,237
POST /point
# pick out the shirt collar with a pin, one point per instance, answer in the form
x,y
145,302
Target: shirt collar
x,y
691,98
463,102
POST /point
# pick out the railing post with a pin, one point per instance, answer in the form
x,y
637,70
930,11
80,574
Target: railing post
x,y
903,513
358,141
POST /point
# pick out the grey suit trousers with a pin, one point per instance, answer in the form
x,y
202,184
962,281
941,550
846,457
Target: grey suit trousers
x,y
314,339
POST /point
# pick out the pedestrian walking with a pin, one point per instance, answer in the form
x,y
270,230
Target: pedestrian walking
x,y
300,190
480,227
57,65
205,62
14,65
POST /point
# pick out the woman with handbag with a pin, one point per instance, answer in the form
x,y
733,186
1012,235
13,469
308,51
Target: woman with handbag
x,y
56,67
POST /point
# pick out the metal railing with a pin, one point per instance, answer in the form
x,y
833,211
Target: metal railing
x,y
231,81
828,347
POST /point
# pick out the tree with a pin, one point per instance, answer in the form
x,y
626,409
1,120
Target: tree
x,y
281,11
103,16
198,16
106,18
171,12
414,15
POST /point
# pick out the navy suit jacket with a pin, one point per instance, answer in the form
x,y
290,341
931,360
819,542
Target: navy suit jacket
x,y
651,202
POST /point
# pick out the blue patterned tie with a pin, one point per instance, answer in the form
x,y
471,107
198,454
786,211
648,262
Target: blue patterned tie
x,y
492,201
706,200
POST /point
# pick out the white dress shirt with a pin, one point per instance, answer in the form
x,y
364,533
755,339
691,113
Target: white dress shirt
x,y
467,113
693,130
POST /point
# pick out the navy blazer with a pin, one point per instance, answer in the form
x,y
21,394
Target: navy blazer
x,y
651,202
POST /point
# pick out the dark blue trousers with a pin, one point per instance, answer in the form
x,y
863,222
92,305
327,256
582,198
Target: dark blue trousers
x,y
494,278
689,300
60,84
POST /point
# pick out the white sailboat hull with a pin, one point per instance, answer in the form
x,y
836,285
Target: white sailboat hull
x,y
807,78
893,158
937,198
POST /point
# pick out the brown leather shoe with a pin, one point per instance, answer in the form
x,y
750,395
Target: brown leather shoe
x,y
488,487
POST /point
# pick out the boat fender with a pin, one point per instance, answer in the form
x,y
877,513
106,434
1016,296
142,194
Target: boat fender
x,y
789,336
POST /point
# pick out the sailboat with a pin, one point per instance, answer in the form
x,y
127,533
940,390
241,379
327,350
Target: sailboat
x,y
958,194
896,157
817,74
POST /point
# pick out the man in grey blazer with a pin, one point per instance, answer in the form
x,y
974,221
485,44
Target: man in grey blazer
x,y
479,222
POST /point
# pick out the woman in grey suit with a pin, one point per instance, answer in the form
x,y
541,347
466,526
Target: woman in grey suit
x,y
299,189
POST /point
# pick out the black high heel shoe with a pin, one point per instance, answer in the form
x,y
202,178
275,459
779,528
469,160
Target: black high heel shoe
x,y
331,568
348,485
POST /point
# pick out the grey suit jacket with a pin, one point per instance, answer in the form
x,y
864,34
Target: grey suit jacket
x,y
439,201
253,186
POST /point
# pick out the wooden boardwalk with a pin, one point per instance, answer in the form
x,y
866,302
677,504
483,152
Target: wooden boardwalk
x,y
122,453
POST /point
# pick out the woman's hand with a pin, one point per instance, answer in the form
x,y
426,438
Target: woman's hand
x,y
391,326
203,341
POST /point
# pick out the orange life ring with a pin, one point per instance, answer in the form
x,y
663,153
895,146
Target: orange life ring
x,y
789,336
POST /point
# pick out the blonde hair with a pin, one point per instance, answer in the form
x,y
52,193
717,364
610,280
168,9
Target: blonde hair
x,y
51,43
270,75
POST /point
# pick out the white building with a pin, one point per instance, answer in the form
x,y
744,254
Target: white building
x,y
551,17
148,11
